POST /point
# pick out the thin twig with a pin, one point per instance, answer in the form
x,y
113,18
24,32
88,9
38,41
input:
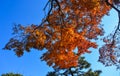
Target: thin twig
x,y
117,29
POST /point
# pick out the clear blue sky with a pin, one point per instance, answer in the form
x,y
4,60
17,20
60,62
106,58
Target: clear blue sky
x,y
31,12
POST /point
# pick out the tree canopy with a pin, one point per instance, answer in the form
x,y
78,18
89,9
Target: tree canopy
x,y
83,69
68,25
11,74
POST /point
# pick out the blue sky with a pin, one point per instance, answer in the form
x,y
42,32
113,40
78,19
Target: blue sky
x,y
31,12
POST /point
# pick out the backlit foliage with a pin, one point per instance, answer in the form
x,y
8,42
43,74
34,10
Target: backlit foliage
x,y
69,24
110,51
83,69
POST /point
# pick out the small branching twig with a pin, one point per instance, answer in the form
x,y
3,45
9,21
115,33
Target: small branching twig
x,y
117,29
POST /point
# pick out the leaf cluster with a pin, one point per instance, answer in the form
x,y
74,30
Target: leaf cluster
x,y
69,24
83,69
11,74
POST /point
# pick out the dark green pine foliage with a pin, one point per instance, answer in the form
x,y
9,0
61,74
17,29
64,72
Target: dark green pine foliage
x,y
83,69
11,74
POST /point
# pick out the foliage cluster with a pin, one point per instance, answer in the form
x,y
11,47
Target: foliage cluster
x,y
69,24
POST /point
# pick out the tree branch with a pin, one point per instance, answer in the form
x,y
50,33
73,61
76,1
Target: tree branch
x,y
117,29
71,72
118,26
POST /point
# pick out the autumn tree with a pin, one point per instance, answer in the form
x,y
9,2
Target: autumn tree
x,y
11,74
68,25
83,69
